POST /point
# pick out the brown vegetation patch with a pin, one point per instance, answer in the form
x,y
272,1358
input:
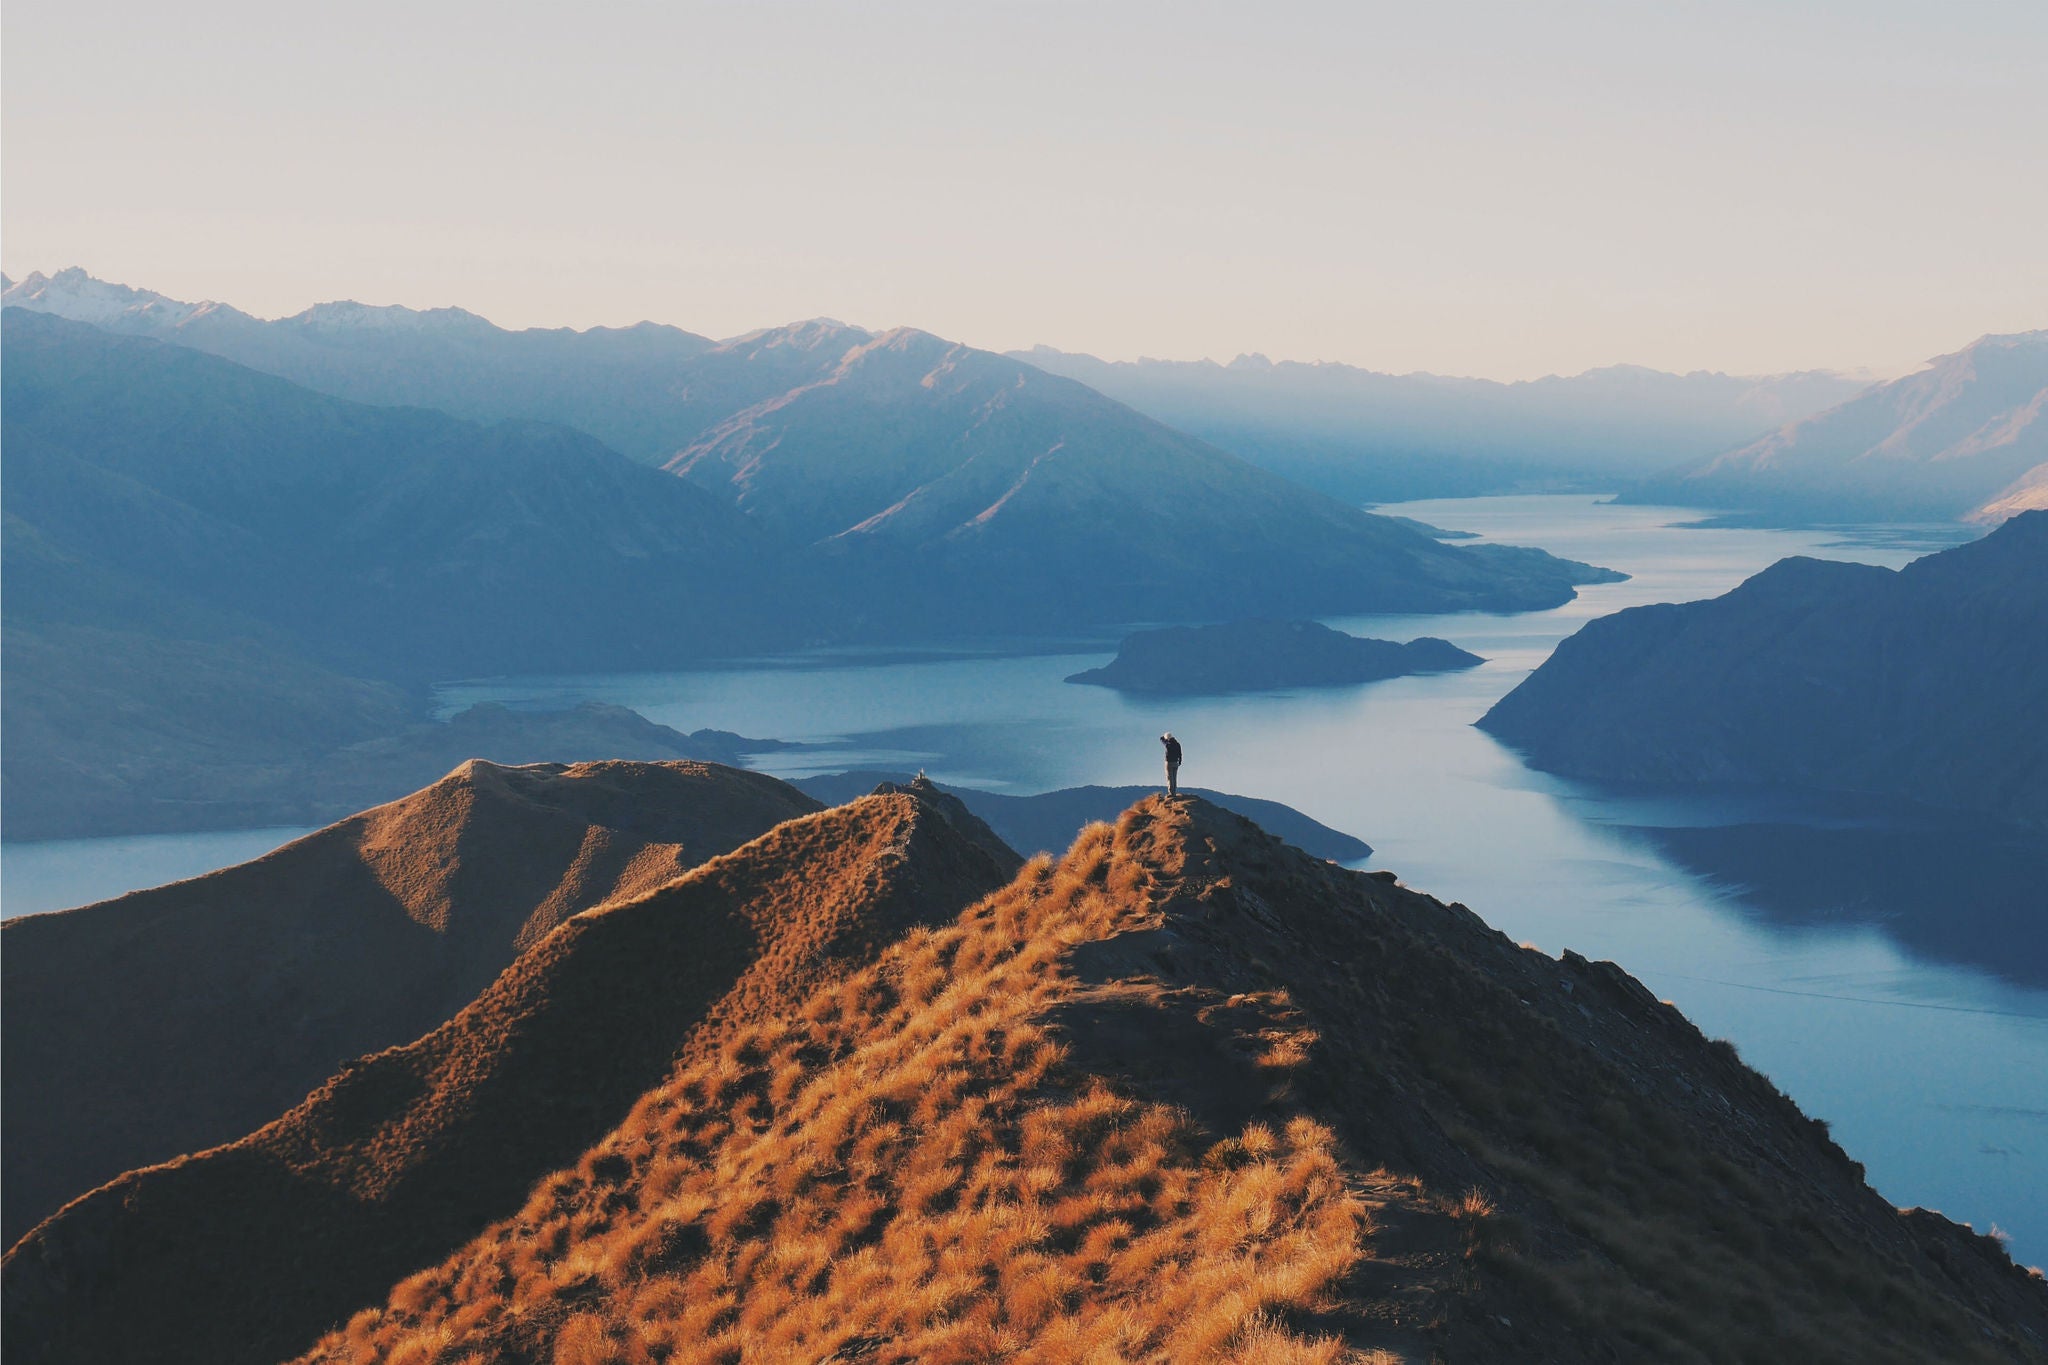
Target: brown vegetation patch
x,y
404,1154
175,1019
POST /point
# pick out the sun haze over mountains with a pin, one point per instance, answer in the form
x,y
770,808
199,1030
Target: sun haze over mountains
x,y
583,844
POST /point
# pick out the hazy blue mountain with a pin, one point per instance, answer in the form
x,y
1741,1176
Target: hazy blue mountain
x,y
1965,437
944,488
215,580
214,576
620,384
971,491
1253,656
1366,436
397,541
1925,683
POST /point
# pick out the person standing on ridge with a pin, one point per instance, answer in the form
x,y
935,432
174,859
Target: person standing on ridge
x,y
1172,763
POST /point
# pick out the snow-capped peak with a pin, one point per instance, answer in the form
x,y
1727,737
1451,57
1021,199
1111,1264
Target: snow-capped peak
x,y
73,294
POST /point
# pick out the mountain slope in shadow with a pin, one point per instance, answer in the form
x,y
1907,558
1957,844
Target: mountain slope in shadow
x,y
1924,683
174,1019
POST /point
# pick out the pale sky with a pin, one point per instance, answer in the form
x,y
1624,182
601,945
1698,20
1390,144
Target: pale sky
x,y
1501,189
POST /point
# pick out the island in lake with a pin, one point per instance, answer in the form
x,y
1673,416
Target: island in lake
x,y
1260,656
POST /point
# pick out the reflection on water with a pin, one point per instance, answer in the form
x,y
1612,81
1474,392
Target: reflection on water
x,y
1934,1073
1953,893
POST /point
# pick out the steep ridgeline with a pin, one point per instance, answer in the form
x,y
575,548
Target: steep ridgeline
x,y
1925,683
1965,437
967,491
247,1252
170,1020
1257,656
1365,436
1048,822
1185,1094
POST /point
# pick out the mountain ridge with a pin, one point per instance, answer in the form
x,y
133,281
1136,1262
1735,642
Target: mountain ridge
x,y
180,1017
1183,1093
402,1154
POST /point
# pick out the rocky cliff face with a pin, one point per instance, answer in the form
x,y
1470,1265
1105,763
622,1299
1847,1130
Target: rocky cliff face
x,y
1923,684
1184,1094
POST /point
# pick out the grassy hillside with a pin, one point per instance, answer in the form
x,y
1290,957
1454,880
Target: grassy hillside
x,y
405,1154
174,1019
1184,1094
1187,1095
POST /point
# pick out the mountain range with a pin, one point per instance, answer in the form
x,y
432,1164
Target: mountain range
x,y
864,1088
890,462
1923,683
1962,437
216,578
1966,437
1366,436
1020,498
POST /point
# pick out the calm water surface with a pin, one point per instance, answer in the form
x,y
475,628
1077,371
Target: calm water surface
x,y
1925,1046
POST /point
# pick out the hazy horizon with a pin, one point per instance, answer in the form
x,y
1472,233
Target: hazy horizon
x,y
1864,373
1475,189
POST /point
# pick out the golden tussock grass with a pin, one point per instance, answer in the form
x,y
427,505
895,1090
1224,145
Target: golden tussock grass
x,y
901,1170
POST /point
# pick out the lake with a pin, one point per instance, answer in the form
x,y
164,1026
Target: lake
x,y
1859,956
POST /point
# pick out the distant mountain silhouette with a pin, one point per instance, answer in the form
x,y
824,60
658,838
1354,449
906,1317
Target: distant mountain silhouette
x,y
617,383
1366,436
1183,1094
1253,656
1925,683
1965,437
216,578
899,461
970,489
393,541
174,1019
